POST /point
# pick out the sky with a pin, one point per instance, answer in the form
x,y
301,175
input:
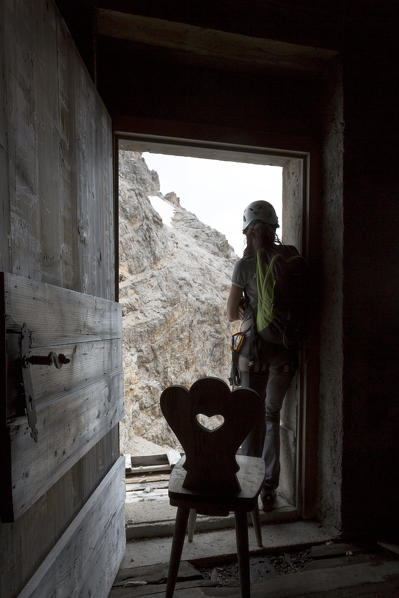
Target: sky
x,y
217,192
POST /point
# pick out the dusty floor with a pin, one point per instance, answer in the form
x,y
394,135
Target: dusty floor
x,y
219,543
298,559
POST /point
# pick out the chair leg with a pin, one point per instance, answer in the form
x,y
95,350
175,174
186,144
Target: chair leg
x,y
243,552
191,524
177,547
256,524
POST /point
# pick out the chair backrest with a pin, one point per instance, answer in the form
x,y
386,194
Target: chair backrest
x,y
210,454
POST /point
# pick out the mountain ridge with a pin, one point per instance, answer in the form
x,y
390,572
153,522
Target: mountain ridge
x,y
175,276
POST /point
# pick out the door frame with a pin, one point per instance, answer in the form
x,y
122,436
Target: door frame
x,y
269,151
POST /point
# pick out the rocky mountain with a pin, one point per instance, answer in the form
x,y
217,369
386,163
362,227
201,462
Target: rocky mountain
x,y
175,276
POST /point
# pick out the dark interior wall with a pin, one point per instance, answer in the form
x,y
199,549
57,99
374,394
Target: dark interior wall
x,y
148,83
371,263
358,448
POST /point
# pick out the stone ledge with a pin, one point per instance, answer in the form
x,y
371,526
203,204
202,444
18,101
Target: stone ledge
x,y
156,518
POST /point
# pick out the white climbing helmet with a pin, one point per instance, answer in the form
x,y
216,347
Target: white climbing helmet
x,y
259,210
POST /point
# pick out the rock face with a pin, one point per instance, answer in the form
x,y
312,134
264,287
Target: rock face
x,y
175,276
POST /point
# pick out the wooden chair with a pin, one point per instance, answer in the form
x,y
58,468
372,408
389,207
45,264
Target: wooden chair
x,y
210,478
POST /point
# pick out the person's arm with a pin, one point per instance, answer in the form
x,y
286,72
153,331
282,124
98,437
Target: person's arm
x,y
233,304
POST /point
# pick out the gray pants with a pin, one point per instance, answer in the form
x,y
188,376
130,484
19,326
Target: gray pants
x,y
279,365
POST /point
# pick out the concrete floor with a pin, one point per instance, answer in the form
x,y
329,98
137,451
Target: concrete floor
x,y
149,551
156,517
334,572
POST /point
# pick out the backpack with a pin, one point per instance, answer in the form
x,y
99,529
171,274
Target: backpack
x,y
281,317
283,297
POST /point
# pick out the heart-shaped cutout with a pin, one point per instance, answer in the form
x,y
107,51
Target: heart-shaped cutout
x,y
212,423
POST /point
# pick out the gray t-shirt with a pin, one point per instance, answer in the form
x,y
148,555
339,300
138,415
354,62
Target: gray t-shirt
x,y
244,276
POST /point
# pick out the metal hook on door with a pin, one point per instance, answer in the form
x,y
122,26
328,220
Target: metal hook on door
x,y
27,360
50,359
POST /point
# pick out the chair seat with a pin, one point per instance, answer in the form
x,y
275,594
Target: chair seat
x,y
250,477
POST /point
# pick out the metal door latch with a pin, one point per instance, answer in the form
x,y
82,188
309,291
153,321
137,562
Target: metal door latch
x,y
27,360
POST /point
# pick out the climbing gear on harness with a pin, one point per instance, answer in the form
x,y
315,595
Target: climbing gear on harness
x,y
259,210
237,341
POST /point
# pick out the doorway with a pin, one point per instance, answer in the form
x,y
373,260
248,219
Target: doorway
x,y
295,170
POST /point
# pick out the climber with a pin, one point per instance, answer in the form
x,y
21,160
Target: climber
x,y
267,294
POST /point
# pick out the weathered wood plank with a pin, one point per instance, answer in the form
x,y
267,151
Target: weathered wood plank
x,y
60,316
4,209
76,405
191,589
53,168
47,147
341,561
133,486
94,542
105,241
21,140
88,362
5,454
326,551
157,573
67,168
150,468
68,426
389,546
209,42
95,195
27,541
138,460
4,191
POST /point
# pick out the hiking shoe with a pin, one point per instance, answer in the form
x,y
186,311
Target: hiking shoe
x,y
268,498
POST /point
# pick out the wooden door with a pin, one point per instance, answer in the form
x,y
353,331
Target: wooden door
x,y
63,521
71,405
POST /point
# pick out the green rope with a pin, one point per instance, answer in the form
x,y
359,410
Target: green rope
x,y
265,281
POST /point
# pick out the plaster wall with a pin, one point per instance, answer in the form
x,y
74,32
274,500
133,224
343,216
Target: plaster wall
x,y
292,219
293,203
331,341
